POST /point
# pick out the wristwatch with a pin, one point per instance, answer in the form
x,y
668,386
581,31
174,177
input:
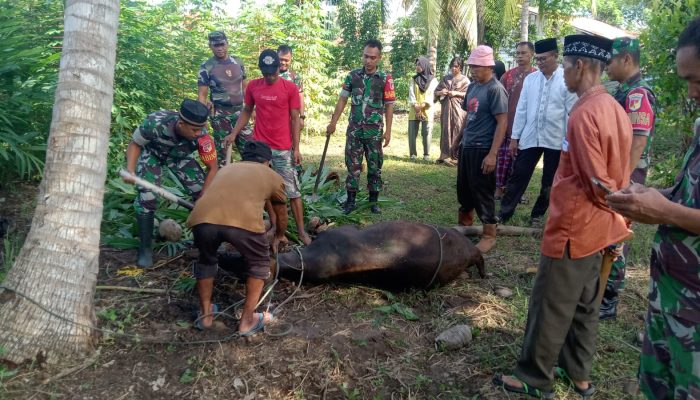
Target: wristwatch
x,y
302,116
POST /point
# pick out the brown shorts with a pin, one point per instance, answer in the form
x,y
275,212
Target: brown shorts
x,y
253,247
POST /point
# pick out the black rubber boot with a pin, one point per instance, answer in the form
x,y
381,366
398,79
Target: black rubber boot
x,y
373,197
145,224
349,203
608,307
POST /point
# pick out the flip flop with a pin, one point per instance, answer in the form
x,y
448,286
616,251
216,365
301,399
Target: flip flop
x,y
198,321
525,389
584,393
260,325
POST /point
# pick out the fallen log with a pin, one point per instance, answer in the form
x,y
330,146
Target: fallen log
x,y
502,230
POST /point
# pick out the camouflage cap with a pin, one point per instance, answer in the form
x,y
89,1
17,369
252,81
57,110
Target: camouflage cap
x,y
217,37
624,45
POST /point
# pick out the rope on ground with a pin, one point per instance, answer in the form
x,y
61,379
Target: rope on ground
x,y
437,270
153,340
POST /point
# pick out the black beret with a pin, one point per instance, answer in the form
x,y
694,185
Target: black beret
x,y
590,46
256,151
545,45
193,112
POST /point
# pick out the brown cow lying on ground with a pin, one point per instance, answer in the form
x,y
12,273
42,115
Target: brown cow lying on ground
x,y
395,255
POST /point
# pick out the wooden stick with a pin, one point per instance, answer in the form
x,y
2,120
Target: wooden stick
x,y
228,153
77,368
503,230
137,290
156,189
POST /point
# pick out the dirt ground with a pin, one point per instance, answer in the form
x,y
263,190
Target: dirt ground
x,y
328,341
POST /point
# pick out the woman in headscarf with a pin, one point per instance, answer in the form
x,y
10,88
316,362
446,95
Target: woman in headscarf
x,y
420,114
450,92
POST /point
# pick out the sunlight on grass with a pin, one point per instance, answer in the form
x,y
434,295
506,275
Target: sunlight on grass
x,y
426,193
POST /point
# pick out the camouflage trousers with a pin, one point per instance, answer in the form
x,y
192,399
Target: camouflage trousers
x,y
616,280
187,170
283,163
367,143
222,122
669,366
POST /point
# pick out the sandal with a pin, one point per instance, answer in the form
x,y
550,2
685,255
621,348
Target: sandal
x,y
525,389
260,325
584,393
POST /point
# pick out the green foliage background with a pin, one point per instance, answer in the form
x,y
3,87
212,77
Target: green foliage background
x,y
160,48
676,111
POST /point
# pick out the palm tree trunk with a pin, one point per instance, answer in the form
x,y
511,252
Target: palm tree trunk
x,y
46,305
432,51
480,24
524,20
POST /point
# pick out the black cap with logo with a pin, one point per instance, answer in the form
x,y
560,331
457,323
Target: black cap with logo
x,y
269,61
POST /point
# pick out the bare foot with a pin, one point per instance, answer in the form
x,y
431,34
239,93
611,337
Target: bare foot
x,y
207,318
305,239
510,381
582,385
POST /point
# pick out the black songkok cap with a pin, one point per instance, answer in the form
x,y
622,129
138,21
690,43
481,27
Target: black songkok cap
x,y
545,45
256,151
194,112
588,46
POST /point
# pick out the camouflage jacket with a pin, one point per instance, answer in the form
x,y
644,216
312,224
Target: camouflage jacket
x,y
293,77
675,253
639,101
225,81
157,136
368,95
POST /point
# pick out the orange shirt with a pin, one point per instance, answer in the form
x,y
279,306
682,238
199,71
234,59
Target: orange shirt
x,y
597,144
236,197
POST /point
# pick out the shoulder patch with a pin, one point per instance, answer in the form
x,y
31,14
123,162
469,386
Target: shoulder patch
x,y
635,101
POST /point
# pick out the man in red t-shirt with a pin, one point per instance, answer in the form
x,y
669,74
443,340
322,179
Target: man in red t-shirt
x,y
276,102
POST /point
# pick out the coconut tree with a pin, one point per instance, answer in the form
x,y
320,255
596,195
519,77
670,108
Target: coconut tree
x,y
524,20
46,300
468,19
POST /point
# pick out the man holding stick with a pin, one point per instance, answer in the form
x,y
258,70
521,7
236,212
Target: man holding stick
x,y
167,139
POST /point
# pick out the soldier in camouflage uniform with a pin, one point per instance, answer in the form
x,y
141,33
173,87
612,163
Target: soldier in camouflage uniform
x,y
372,95
638,100
670,361
223,78
285,54
167,139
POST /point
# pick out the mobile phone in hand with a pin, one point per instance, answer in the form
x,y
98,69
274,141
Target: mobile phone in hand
x,y
598,183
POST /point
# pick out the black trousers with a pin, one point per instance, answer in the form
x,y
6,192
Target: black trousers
x,y
253,247
475,190
524,166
